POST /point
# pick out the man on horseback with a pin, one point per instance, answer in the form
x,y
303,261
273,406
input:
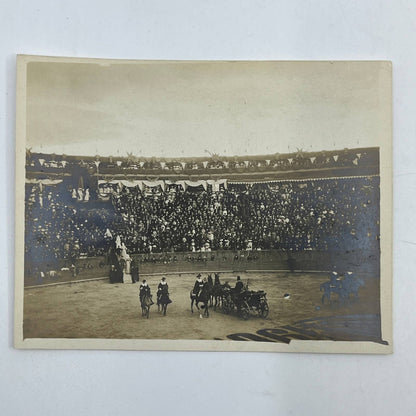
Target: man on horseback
x,y
162,283
163,295
352,284
347,281
145,298
199,284
335,286
144,290
201,293
334,282
162,287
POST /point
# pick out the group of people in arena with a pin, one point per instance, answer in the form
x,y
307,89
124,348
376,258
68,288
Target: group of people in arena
x,y
144,289
326,214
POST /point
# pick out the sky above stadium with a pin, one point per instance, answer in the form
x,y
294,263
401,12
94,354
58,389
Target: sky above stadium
x,y
178,109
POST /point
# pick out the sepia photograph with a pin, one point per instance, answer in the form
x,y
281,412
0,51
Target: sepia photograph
x,y
203,205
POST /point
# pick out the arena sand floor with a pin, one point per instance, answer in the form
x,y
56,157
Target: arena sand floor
x,y
98,309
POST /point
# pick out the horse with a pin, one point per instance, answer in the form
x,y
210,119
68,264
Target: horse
x,y
326,287
343,289
210,284
146,302
218,291
203,297
333,287
352,286
163,300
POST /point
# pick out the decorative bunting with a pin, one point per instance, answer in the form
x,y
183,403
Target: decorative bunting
x,y
250,183
44,182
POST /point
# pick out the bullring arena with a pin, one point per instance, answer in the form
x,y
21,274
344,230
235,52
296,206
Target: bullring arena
x,y
285,226
96,309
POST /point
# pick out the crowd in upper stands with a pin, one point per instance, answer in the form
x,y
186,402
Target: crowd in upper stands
x,y
328,214
300,160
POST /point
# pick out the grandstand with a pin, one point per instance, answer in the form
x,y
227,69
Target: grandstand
x,y
299,210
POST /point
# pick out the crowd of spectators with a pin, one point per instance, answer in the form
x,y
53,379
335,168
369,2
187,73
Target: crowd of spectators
x,y
57,228
326,214
331,214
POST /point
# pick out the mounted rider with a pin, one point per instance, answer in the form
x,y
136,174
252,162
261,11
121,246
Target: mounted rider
x,y
144,290
199,284
163,284
162,288
349,281
334,282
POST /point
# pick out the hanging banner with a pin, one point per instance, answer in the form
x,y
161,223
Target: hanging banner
x,y
132,184
182,184
46,182
152,184
216,184
197,183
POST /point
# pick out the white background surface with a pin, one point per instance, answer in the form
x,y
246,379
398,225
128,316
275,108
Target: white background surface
x,y
126,383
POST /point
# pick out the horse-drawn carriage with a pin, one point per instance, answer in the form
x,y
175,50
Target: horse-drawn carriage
x,y
246,303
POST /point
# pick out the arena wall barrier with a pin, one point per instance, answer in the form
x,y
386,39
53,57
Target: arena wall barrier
x,y
363,262
239,261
